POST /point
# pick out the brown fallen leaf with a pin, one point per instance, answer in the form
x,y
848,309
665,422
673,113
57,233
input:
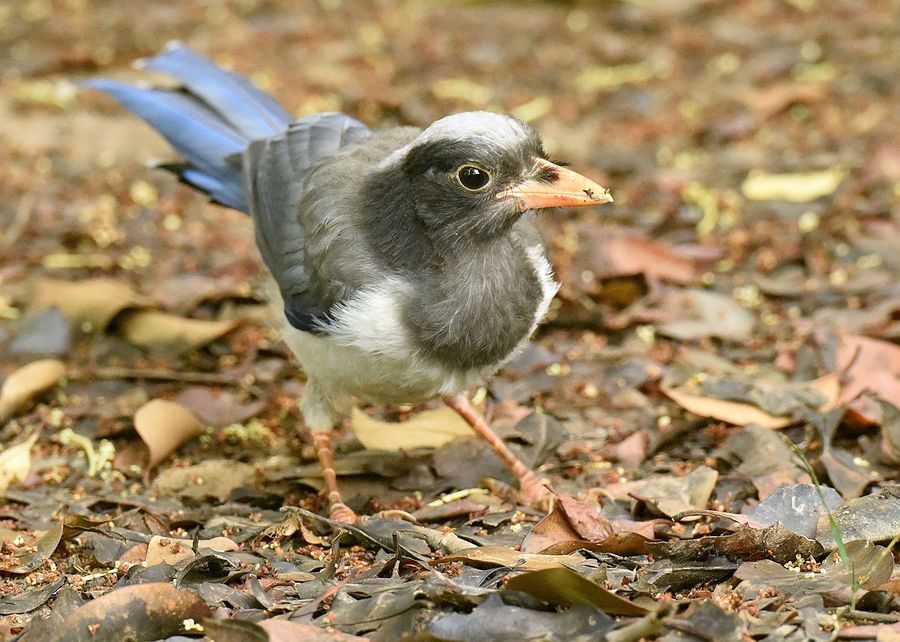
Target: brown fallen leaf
x,y
88,305
171,550
286,631
216,478
157,610
27,382
15,463
869,365
169,333
671,495
742,414
428,429
692,313
164,426
637,254
488,556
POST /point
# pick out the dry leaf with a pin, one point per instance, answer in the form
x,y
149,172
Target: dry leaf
x,y
488,556
15,463
27,382
696,314
89,305
287,631
428,429
164,426
635,254
161,331
797,188
742,414
869,365
170,550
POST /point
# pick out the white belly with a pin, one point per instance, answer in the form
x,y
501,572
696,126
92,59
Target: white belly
x,y
367,353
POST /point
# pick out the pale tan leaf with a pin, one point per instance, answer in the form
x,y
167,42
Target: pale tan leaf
x,y
742,414
171,550
428,429
88,305
164,426
488,556
161,331
15,463
800,187
27,382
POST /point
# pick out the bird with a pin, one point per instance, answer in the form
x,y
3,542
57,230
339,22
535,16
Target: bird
x,y
406,261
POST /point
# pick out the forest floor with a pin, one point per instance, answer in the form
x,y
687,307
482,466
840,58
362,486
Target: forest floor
x,y
714,396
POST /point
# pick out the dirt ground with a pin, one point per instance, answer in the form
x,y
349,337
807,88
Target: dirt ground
x,y
714,396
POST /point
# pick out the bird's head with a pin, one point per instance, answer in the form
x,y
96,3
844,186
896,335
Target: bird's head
x,y
476,173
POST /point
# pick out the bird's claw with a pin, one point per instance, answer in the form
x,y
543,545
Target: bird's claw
x,y
340,512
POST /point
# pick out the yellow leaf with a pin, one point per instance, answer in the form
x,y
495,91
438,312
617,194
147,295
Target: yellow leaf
x,y
488,556
742,414
428,429
88,305
166,332
15,463
171,550
27,382
797,188
164,426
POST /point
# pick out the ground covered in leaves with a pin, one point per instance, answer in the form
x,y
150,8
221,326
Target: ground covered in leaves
x,y
714,397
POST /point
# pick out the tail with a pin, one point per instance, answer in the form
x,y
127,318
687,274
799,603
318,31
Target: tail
x,y
210,120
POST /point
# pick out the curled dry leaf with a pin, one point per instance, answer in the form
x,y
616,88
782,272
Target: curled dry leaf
x,y
164,426
287,631
156,610
169,333
742,414
428,429
89,305
27,382
15,463
171,550
800,187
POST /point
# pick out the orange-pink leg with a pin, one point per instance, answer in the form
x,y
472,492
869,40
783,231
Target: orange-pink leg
x,y
533,490
339,511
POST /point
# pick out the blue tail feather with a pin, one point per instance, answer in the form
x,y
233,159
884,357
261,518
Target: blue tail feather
x,y
209,122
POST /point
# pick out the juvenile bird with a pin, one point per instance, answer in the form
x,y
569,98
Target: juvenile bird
x,y
407,260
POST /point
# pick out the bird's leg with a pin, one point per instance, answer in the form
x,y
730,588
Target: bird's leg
x,y
339,511
533,490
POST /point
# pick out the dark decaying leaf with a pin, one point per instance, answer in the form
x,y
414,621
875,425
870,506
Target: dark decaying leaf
x,y
871,565
141,612
29,600
874,518
563,586
775,542
29,560
669,575
766,459
495,621
798,508
705,621
671,495
46,333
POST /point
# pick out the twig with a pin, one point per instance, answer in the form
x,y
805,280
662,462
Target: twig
x,y
870,616
22,217
157,375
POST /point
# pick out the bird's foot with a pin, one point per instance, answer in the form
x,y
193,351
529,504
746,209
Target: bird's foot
x,y
535,492
340,512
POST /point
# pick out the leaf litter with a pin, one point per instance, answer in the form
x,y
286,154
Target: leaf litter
x,y
739,286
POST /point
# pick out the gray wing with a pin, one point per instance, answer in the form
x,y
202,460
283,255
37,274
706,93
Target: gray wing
x,y
278,171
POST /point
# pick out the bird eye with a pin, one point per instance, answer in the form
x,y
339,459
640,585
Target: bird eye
x,y
473,178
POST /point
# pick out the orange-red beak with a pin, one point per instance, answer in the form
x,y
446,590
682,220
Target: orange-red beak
x,y
568,189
